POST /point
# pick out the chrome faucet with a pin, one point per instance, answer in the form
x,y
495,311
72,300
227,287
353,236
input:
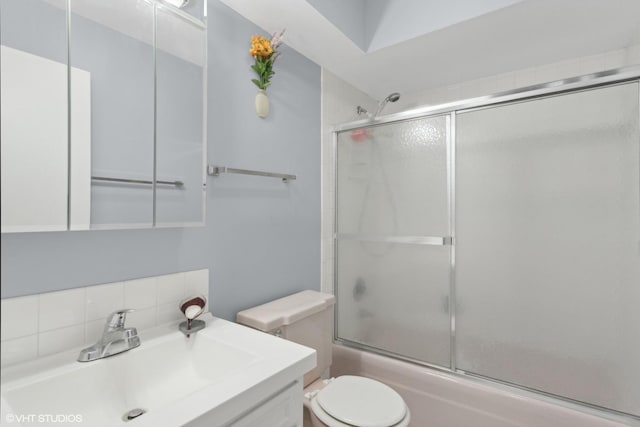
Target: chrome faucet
x,y
115,338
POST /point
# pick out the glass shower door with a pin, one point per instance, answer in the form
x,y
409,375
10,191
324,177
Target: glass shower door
x,y
392,240
548,245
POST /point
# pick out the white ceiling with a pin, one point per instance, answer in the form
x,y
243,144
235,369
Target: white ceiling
x,y
473,44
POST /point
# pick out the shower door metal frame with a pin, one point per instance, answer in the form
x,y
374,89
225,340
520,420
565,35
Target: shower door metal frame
x,y
450,110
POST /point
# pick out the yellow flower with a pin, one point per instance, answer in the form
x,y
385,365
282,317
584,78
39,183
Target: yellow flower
x,y
260,46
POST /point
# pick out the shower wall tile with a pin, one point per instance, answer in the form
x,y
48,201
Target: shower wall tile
x,y
468,90
43,324
487,85
525,78
518,79
547,73
327,271
633,55
505,82
616,59
592,64
442,95
569,68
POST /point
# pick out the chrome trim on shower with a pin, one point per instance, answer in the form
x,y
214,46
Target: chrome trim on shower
x,y
618,75
334,241
413,240
154,181
451,195
69,142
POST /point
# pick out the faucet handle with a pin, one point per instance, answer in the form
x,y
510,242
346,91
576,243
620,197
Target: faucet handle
x,y
116,319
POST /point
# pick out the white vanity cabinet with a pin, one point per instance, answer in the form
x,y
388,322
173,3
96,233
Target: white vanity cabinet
x,y
262,407
284,409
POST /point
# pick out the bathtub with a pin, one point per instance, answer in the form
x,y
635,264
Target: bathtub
x,y
441,399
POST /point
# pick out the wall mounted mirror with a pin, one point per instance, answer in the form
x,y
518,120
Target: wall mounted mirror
x,y
103,114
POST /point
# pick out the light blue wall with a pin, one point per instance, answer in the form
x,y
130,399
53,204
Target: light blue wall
x,y
348,16
262,238
393,21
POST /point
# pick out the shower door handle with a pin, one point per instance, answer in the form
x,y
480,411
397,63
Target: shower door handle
x,y
415,240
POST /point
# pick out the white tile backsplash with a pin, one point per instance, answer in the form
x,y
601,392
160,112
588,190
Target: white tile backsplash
x,y
19,317
60,340
141,293
18,350
167,313
144,318
93,330
60,309
103,300
171,288
43,324
194,280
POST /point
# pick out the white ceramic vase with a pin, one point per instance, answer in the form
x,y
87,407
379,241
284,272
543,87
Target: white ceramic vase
x,y
262,103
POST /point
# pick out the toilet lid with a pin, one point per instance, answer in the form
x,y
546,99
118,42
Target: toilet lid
x,y
362,402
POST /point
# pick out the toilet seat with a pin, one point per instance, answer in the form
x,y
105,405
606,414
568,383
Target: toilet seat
x,y
350,401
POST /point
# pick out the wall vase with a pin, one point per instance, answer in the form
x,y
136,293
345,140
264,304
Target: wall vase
x,y
262,103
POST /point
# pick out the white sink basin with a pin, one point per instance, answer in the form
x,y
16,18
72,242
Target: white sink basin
x,y
173,378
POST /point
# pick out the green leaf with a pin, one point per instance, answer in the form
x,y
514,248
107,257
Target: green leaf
x,y
263,67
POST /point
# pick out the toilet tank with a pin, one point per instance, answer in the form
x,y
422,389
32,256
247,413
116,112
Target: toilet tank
x,y
305,318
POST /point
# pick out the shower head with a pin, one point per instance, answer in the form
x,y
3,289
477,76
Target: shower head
x,y
391,98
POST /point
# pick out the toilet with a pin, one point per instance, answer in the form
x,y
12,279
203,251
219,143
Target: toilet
x,y
347,401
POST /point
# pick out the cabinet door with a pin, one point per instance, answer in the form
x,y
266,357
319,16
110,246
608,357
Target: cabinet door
x,y
282,410
181,60
34,138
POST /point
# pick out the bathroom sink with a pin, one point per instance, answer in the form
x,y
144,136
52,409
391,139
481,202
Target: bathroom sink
x,y
171,378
